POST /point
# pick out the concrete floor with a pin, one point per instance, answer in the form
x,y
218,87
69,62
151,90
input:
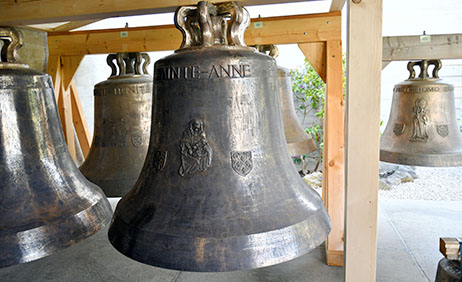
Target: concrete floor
x,y
407,251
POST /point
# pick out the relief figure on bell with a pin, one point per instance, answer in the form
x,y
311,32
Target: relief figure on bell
x,y
420,121
196,153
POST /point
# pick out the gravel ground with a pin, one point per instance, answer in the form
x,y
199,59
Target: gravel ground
x,y
431,184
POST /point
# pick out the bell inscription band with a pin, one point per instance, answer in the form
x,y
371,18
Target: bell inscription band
x,y
218,191
298,141
122,125
422,129
46,203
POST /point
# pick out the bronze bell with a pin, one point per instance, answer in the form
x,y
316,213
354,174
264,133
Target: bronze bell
x,y
298,141
218,190
122,125
46,203
422,128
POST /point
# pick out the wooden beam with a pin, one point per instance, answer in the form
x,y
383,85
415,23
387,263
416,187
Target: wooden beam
x,y
80,122
405,48
274,30
334,153
54,70
364,65
337,5
69,66
48,11
315,52
450,247
65,113
73,25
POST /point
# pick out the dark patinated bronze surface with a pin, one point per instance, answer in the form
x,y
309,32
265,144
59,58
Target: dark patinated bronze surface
x,y
298,141
449,271
218,190
46,204
422,129
122,125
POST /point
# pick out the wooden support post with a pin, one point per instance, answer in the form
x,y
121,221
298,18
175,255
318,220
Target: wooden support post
x,y
70,64
54,70
62,70
315,52
80,122
364,68
334,153
65,112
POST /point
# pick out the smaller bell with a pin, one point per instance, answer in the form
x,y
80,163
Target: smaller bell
x,y
298,141
123,105
422,129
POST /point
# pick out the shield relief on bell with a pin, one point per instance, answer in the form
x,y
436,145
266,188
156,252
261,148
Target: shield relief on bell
x,y
399,128
443,130
159,160
242,162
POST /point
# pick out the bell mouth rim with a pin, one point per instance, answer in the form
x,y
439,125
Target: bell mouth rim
x,y
9,65
428,160
216,47
100,210
314,229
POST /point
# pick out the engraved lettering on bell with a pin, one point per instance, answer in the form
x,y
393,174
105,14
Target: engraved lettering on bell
x,y
196,153
159,160
443,130
242,162
137,140
399,128
420,121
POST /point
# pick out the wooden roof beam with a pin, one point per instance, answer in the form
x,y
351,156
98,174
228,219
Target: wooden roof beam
x,y
48,11
274,30
73,25
417,47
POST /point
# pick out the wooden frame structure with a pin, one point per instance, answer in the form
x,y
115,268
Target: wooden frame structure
x,y
318,36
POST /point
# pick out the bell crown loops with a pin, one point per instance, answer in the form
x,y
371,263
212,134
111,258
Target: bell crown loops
x,y
128,63
272,50
212,24
11,40
424,64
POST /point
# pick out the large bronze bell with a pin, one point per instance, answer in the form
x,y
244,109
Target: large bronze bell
x,y
122,125
298,141
218,190
422,128
46,204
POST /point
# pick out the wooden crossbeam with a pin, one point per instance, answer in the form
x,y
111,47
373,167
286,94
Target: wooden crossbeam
x,y
73,25
337,5
315,52
274,30
404,48
49,11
